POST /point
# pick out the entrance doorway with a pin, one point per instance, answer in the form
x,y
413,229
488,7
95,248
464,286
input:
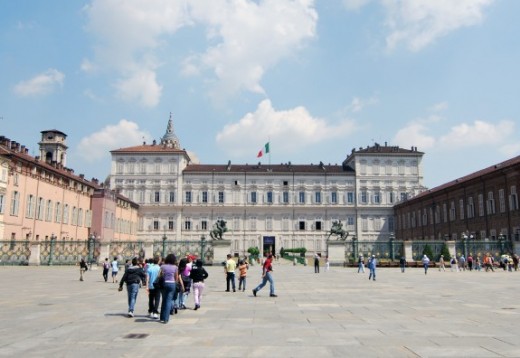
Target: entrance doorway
x,y
269,247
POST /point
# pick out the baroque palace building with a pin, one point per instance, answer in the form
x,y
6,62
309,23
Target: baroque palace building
x,y
266,206
42,199
481,205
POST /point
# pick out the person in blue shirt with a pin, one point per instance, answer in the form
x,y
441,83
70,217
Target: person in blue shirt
x,y
154,293
372,264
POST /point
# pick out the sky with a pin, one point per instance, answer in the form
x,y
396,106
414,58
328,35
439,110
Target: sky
x,y
315,79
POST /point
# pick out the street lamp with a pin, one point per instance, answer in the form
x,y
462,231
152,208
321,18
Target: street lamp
x,y
91,241
164,238
202,245
51,252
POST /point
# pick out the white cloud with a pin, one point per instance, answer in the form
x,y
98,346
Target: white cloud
x,y
142,86
41,84
358,104
418,23
510,150
127,34
355,4
98,145
463,135
245,38
87,66
439,107
290,131
414,134
252,37
477,133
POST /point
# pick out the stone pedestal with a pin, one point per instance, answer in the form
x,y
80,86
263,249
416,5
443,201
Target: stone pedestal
x,y
34,258
148,250
336,252
452,249
221,248
104,253
408,253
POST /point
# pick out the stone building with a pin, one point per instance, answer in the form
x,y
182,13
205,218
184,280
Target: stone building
x,y
481,205
268,206
41,199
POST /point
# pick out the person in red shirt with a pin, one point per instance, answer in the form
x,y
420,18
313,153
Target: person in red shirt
x,y
267,275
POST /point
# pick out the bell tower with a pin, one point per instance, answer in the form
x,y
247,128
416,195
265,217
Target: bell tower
x,y
53,148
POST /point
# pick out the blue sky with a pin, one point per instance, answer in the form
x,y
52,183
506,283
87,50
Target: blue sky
x,y
315,78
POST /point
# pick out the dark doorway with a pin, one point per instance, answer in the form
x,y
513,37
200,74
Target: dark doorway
x,y
269,245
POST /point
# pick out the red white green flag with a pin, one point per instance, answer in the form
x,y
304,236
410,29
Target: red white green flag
x,y
263,151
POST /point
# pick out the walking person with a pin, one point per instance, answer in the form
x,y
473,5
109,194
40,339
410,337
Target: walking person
x,y
462,263
115,270
170,272
361,264
470,262
402,263
316,263
184,276
242,268
133,277
106,268
442,266
229,269
198,274
478,266
82,268
154,293
426,263
327,263
267,275
372,264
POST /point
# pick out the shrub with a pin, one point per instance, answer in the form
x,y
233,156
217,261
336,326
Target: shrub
x,y
445,252
428,251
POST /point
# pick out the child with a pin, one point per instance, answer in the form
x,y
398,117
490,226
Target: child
x,y
242,267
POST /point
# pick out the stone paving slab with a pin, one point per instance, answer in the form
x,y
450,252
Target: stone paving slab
x,y
47,311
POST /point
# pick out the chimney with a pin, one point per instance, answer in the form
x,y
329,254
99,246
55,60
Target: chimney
x,y
82,176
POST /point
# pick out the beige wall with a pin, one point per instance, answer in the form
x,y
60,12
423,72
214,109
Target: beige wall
x,y
38,220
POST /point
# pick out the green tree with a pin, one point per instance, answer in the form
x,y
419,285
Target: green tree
x,y
445,252
428,251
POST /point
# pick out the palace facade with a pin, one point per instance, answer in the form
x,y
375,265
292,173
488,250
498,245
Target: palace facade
x,y
41,199
481,205
267,206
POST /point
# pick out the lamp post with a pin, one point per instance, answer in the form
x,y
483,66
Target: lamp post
x,y
354,248
164,238
202,246
465,244
501,239
91,241
392,246
51,252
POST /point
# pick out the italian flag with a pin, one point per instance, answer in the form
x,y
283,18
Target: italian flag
x,y
263,151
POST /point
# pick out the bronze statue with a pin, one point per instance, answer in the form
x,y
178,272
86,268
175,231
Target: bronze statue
x,y
219,228
337,229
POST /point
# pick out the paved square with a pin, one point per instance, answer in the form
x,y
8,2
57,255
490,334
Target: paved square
x,y
47,311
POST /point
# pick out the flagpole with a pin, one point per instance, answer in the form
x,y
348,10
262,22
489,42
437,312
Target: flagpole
x,y
269,141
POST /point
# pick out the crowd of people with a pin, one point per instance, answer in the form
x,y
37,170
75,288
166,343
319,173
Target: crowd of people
x,y
168,283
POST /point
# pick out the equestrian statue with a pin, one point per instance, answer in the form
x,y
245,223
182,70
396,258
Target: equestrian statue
x,y
337,230
219,228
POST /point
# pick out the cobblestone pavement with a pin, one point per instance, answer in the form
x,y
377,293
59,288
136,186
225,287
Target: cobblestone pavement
x,y
47,311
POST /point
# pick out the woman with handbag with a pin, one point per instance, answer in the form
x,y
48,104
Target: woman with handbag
x,y
170,272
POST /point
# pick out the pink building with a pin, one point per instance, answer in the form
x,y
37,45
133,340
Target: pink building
x,y
40,199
